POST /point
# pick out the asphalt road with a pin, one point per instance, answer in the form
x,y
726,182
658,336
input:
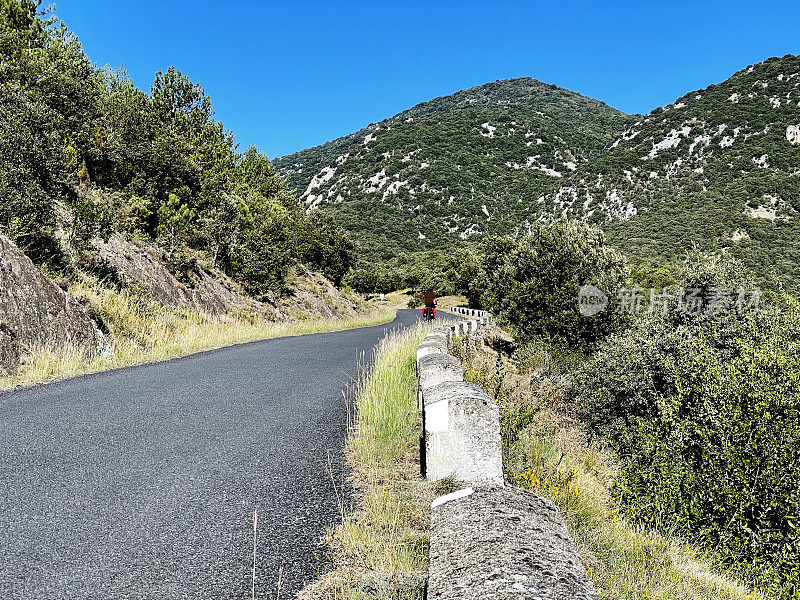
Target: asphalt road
x,y
141,482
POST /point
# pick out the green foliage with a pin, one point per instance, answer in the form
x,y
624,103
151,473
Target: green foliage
x,y
703,408
265,253
174,219
32,151
173,172
324,244
532,283
415,270
262,267
719,459
89,220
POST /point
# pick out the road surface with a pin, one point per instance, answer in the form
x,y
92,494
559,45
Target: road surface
x,y
141,482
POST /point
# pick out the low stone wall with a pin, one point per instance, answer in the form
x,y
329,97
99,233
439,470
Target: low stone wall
x,y
488,541
461,424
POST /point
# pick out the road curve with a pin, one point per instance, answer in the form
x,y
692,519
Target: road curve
x,y
141,482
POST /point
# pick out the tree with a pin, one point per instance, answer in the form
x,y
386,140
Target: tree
x,y
532,283
179,102
174,218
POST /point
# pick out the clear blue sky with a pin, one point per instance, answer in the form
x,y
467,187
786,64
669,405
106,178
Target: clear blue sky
x,y
292,74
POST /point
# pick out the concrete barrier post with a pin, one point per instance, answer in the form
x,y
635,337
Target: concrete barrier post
x,y
502,544
490,542
436,368
462,434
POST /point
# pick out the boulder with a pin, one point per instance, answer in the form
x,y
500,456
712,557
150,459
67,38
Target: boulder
x,y
37,314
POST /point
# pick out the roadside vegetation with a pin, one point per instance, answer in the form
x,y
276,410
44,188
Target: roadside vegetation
x,y
381,549
84,153
547,450
667,438
653,428
139,330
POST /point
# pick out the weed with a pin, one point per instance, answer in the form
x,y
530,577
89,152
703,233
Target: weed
x,y
381,549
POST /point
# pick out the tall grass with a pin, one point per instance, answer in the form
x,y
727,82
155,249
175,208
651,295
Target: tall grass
x,y
141,331
381,549
626,561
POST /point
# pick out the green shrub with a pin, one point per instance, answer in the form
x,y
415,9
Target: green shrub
x,y
703,410
532,283
719,459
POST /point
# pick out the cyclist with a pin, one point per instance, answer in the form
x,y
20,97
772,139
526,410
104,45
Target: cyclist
x,y
429,298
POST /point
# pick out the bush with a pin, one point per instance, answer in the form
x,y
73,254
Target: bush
x,y
326,246
431,268
532,283
703,410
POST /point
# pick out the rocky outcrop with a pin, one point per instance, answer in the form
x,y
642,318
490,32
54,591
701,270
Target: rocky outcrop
x,y
36,313
793,134
139,265
311,295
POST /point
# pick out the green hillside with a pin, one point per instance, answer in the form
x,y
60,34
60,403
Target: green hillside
x,y
719,167
455,167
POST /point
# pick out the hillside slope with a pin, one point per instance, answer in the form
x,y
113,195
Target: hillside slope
x,y
36,314
719,167
455,167
134,212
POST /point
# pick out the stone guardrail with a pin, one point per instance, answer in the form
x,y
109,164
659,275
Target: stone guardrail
x,y
488,541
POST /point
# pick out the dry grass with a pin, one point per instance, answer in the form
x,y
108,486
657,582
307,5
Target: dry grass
x,y
381,549
547,452
141,331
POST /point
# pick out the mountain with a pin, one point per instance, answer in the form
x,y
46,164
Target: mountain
x,y
454,167
718,166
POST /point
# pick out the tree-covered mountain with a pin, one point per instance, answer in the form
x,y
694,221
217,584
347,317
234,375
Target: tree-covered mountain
x,y
454,167
719,167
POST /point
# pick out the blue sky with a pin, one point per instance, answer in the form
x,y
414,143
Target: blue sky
x,y
293,74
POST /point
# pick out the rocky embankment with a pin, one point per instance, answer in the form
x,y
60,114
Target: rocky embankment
x,y
139,265
36,313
